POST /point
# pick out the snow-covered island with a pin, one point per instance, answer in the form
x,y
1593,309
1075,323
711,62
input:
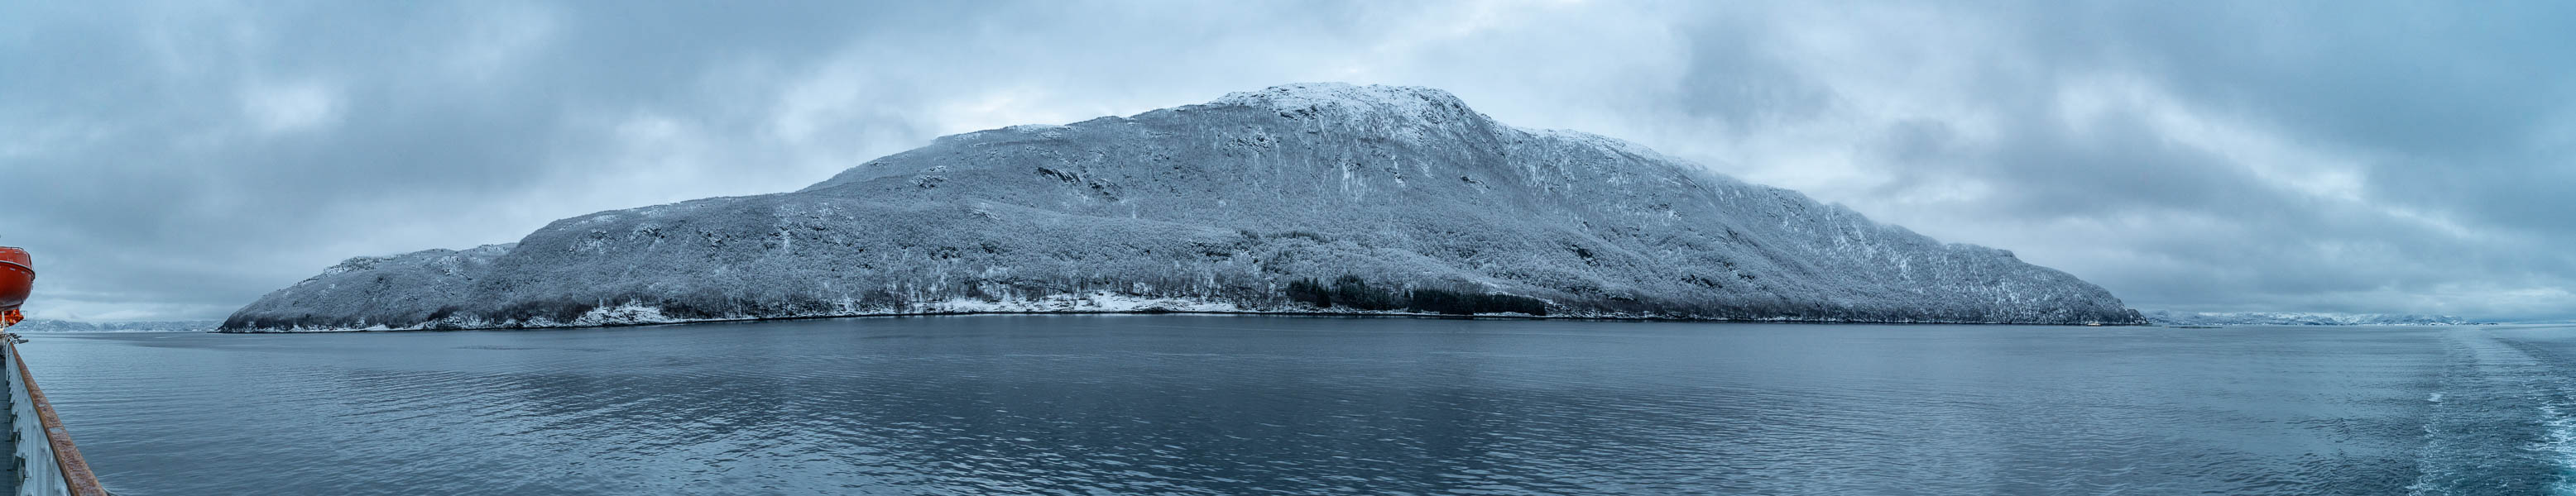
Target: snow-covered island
x,y
1295,199
2171,318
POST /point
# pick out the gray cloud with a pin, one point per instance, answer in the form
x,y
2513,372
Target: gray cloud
x,y
176,160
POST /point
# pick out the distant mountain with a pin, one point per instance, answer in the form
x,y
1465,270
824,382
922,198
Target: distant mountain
x,y
1299,198
2162,317
41,325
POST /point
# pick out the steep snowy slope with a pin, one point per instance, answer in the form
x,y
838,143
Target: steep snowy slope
x,y
1296,198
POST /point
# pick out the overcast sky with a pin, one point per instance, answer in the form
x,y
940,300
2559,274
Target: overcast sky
x,y
178,160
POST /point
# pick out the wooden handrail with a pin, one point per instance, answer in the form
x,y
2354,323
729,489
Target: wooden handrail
x,y
77,478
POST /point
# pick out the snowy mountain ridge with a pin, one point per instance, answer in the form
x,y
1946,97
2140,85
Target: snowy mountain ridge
x,y
48,325
1350,100
1319,197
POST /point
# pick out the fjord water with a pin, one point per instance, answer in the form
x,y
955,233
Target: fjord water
x,y
1173,404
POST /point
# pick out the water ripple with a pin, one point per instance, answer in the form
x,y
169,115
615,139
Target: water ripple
x,y
1222,405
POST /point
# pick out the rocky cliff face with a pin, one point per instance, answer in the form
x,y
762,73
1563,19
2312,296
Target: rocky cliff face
x,y
1317,197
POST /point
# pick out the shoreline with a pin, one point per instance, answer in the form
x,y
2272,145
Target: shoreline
x,y
1253,313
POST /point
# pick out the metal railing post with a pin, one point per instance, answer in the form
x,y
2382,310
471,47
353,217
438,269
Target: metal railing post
x,y
50,465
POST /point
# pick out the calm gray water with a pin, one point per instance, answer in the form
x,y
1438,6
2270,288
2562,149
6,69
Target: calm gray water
x,y
1265,405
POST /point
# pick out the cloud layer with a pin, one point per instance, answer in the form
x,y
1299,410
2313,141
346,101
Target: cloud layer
x,y
175,160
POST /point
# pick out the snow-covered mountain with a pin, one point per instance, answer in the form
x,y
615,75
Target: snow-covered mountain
x,y
2163,317
44,325
1299,198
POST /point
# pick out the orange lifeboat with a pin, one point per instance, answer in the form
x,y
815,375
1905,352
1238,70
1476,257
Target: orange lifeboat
x,y
17,277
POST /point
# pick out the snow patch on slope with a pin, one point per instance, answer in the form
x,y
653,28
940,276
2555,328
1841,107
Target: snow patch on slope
x,y
1098,301
629,313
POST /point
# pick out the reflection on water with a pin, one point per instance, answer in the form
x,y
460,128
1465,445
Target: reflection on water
x,y
1250,405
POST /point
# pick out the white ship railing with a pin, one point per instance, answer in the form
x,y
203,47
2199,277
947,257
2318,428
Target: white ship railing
x,y
48,464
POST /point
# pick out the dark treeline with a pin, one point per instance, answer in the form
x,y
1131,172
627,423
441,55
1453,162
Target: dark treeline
x,y
1355,293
